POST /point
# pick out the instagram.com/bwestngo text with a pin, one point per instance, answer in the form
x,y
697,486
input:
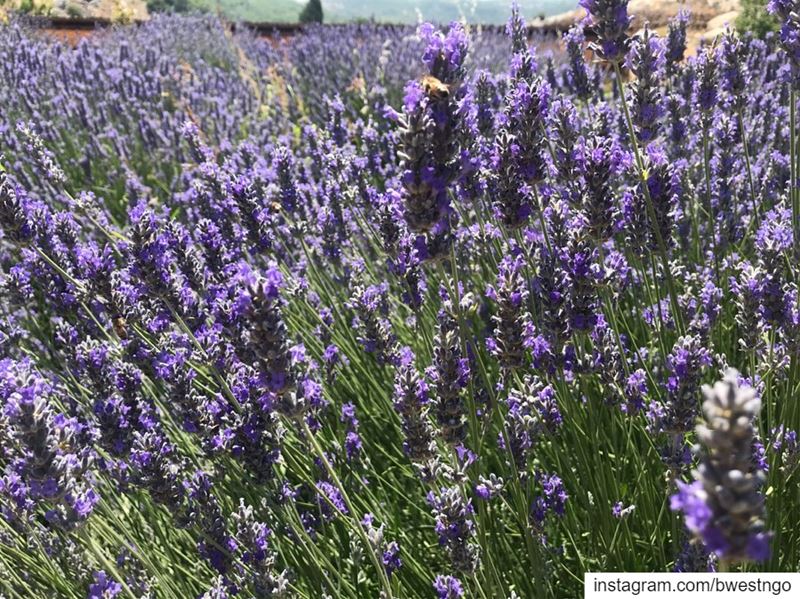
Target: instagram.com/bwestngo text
x,y
705,585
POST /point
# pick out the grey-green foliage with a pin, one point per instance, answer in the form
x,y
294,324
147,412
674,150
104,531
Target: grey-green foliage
x,y
178,6
755,18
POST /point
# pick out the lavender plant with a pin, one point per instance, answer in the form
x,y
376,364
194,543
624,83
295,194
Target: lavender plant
x,y
377,311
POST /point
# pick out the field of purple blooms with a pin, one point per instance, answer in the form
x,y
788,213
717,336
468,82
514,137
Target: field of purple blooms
x,y
396,312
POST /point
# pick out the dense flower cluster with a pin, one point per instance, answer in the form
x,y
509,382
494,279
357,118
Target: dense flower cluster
x,y
395,311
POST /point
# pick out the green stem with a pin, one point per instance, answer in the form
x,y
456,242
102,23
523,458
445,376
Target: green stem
x,y
471,408
746,147
662,249
387,587
712,221
793,168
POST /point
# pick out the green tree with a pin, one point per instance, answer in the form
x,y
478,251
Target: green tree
x,y
755,18
168,5
312,12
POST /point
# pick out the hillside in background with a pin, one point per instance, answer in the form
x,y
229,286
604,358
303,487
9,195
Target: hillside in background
x,y
393,11
708,16
115,10
476,11
254,10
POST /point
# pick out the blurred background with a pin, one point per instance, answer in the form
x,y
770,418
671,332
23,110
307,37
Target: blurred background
x,y
708,17
394,11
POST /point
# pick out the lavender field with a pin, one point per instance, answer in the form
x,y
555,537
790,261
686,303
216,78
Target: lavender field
x,y
396,312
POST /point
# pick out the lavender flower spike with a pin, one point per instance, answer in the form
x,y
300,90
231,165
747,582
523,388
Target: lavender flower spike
x,y
451,372
646,61
610,21
676,40
14,221
411,402
788,11
724,507
428,142
455,525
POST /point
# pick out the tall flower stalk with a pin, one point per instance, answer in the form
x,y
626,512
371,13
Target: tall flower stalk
x,y
724,507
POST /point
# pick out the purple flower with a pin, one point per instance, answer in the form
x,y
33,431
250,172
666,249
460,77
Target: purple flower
x,y
691,500
444,53
706,87
787,11
455,527
511,295
48,463
579,76
428,139
14,219
552,498
732,74
448,587
488,488
646,60
331,501
724,507
352,443
375,333
103,587
411,402
610,21
676,40
391,558
685,366
450,372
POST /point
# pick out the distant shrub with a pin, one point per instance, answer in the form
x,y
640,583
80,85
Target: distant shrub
x,y
175,6
30,7
755,18
312,12
74,11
